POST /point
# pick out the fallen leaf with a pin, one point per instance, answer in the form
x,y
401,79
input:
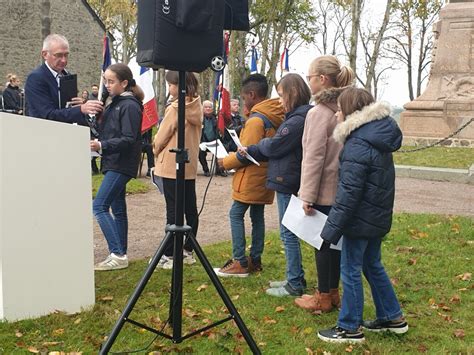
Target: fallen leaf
x,y
262,344
32,349
394,281
51,343
202,287
279,309
57,332
432,301
190,313
464,277
446,317
459,333
455,228
208,311
77,321
412,261
294,329
235,297
212,336
349,349
464,289
57,353
268,320
309,351
446,308
308,330
18,334
455,299
422,348
107,298
206,321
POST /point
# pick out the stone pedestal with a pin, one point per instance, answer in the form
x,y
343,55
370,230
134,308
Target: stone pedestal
x,y
448,100
46,246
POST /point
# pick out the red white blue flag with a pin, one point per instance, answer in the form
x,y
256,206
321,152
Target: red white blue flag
x,y
253,61
144,78
106,61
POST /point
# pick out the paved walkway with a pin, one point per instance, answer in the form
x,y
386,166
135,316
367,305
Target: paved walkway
x,y
147,211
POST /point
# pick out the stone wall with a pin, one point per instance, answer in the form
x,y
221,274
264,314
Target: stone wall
x,y
25,23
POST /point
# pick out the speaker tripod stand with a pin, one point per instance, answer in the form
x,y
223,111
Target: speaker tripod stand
x,y
177,233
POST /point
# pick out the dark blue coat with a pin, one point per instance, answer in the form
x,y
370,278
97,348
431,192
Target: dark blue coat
x,y
42,99
120,135
284,152
366,189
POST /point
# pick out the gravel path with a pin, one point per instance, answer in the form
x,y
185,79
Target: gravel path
x,y
147,211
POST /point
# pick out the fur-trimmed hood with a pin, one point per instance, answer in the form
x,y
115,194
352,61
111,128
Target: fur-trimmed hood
x,y
383,133
329,97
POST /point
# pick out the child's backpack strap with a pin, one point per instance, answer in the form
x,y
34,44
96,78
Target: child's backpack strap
x,y
266,122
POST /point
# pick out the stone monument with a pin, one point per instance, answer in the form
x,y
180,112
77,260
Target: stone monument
x,y
448,100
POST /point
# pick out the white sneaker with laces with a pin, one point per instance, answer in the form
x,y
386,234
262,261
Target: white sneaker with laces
x,y
166,262
112,262
188,257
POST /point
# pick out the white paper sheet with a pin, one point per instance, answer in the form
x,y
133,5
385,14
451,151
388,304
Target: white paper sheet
x,y
236,140
211,146
307,228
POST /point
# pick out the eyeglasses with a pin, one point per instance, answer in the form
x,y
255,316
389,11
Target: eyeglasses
x,y
308,77
60,55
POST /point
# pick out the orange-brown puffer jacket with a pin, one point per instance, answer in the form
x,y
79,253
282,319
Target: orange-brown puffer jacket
x,y
248,184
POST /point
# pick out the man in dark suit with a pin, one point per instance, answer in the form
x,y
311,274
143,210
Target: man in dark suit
x,y
42,87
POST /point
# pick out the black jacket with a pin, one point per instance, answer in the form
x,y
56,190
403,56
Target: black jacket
x,y
12,98
366,188
120,135
284,152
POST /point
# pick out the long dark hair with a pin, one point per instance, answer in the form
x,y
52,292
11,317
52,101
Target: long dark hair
x,y
123,72
192,84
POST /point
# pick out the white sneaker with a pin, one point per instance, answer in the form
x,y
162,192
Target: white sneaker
x,y
112,262
166,262
188,257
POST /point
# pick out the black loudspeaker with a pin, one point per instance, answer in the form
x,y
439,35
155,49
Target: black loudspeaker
x,y
236,15
179,34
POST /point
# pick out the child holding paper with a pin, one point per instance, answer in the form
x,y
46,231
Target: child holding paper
x,y
284,153
319,172
362,213
248,183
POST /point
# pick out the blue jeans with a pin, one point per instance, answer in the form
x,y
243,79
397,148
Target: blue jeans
x,y
237,227
111,195
294,266
364,255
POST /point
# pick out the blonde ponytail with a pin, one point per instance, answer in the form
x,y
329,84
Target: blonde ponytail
x,y
329,65
345,77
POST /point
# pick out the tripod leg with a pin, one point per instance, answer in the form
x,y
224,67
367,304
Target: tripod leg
x,y
176,297
224,296
135,295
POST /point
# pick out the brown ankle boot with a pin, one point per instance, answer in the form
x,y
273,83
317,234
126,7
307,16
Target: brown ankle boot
x,y
335,298
321,302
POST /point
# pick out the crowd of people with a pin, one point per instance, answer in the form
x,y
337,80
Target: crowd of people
x,y
335,155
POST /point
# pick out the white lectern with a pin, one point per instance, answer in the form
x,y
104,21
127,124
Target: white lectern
x,y
46,238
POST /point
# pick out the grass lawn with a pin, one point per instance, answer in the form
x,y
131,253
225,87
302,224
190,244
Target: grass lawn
x,y
439,157
134,186
428,257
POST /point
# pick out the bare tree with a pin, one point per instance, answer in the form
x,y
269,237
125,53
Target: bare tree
x,y
372,55
412,38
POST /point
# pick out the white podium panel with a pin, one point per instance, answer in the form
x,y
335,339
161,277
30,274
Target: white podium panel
x,y
46,240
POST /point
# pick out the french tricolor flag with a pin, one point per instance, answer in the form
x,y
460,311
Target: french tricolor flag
x,y
284,61
144,78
